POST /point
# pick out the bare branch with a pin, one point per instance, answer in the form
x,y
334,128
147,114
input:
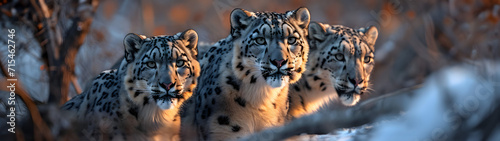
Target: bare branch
x,y
45,10
76,85
40,125
61,53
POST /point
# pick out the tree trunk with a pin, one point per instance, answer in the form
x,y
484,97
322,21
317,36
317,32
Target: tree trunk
x,y
64,62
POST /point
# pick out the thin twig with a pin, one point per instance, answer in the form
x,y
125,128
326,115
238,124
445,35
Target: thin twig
x,y
44,8
38,10
76,85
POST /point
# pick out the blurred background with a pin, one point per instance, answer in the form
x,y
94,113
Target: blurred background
x,y
416,37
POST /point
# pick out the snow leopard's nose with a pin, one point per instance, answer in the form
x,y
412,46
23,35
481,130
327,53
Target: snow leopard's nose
x,y
279,63
167,86
355,81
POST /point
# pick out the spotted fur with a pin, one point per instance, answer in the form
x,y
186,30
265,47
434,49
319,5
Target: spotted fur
x,y
338,70
244,80
140,100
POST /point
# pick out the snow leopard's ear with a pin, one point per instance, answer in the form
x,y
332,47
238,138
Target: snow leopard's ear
x,y
190,41
132,43
240,19
316,34
316,31
302,17
371,34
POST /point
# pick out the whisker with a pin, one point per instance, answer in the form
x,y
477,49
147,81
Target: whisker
x,y
143,91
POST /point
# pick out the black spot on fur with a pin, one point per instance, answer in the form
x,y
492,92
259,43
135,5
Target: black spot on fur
x,y
155,97
316,78
223,120
104,95
302,102
296,88
240,101
206,113
253,79
233,83
236,128
130,88
217,90
114,94
146,100
69,105
209,91
323,89
321,84
240,66
248,72
307,86
133,111
119,114
137,94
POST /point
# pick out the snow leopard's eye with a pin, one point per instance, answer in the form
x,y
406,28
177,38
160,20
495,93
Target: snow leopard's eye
x,y
180,63
151,64
339,56
367,59
292,40
260,40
